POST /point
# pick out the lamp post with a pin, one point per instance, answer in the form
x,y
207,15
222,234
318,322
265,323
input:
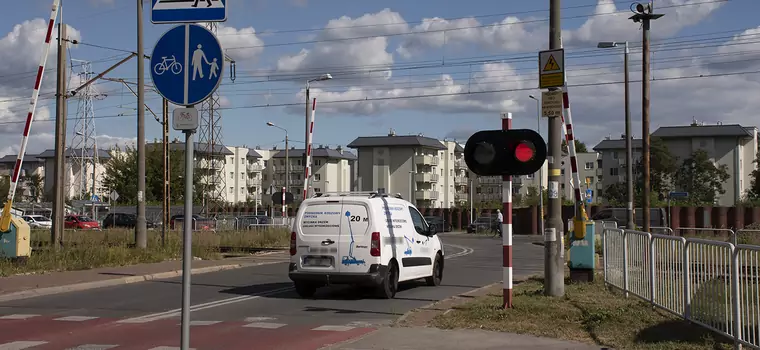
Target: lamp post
x,y
287,161
629,222
540,171
307,119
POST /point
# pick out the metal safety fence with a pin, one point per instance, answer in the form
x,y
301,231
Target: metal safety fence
x,y
233,224
711,283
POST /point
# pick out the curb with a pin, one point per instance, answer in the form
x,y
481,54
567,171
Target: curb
x,y
118,281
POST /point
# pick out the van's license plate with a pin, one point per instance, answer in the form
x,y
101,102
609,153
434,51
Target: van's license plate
x,y
317,261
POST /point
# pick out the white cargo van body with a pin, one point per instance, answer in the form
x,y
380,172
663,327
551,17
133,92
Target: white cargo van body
x,y
362,240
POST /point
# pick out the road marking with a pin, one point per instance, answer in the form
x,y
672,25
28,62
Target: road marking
x,y
93,347
258,319
75,318
212,304
17,317
265,325
20,345
333,328
202,323
464,251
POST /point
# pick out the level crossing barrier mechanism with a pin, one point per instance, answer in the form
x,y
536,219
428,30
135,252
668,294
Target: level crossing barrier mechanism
x,y
711,283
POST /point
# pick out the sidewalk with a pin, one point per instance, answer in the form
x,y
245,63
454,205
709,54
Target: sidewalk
x,y
444,339
31,285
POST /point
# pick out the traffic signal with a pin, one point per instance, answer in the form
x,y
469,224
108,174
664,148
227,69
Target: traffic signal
x,y
505,152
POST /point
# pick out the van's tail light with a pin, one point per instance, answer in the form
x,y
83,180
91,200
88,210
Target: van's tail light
x,y
293,249
374,248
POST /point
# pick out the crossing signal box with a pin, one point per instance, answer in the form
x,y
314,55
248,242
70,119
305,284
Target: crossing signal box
x,y
505,152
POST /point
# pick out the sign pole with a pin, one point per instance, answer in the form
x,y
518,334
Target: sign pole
x,y
187,248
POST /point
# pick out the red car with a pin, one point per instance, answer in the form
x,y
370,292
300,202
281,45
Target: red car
x,y
80,222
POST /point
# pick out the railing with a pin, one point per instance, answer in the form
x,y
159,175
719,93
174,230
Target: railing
x,y
254,167
711,283
234,223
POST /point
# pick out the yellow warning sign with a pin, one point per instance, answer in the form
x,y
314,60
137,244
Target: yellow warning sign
x,y
551,64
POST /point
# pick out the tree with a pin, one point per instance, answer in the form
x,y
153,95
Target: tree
x,y
701,178
662,168
753,193
580,147
616,194
121,175
35,184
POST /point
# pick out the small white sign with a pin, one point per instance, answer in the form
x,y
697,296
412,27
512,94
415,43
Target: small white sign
x,y
553,190
114,195
551,103
550,235
185,119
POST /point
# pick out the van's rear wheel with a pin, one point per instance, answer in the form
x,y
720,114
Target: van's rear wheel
x,y
437,276
305,290
390,283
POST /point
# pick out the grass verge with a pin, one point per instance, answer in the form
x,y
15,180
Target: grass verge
x,y
92,249
588,313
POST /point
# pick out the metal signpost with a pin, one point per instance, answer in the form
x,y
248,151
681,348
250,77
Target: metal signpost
x,y
186,68
174,11
551,69
551,103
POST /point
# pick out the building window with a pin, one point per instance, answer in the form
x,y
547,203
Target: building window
x,y
614,155
232,175
589,165
589,179
317,190
242,189
242,174
264,177
529,176
614,171
232,190
317,177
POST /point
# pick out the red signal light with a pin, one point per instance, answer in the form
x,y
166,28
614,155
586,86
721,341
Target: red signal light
x,y
524,152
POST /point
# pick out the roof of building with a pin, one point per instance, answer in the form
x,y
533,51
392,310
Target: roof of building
x,y
616,144
317,152
11,158
73,153
729,130
459,148
397,141
253,154
199,148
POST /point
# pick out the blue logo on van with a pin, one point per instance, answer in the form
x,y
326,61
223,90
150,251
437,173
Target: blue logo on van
x,y
408,250
350,259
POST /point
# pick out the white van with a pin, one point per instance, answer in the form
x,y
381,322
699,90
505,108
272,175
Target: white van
x,y
364,239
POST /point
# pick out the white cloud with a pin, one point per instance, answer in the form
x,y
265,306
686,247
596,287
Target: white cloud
x,y
107,142
369,57
241,44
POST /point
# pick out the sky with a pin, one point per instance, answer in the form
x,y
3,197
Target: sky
x,y
440,68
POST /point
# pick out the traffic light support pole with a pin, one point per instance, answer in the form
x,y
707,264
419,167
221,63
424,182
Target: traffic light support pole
x,y
554,266
506,226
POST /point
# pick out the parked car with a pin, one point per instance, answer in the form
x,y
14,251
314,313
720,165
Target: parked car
x,y
483,223
657,217
125,220
80,222
439,222
37,221
251,222
200,222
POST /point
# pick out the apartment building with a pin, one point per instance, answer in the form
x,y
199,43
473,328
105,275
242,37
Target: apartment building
x,y
32,166
410,165
732,145
454,184
590,173
78,179
332,171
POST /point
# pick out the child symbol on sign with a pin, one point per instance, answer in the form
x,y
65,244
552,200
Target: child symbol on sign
x,y
212,70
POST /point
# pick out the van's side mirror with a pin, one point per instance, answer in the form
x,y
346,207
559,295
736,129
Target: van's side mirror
x,y
432,230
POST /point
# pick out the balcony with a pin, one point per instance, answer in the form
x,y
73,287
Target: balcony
x,y
253,181
293,169
460,164
254,167
426,195
293,182
461,196
460,180
425,160
216,164
428,177
599,172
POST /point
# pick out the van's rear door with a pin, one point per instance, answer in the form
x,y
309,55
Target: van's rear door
x,y
318,230
355,237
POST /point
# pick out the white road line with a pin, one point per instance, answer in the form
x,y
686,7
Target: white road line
x,y
258,319
93,347
202,323
464,251
217,303
21,345
75,318
333,328
17,317
265,325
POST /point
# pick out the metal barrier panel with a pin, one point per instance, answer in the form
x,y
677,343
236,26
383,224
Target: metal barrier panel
x,y
225,223
638,263
709,268
748,283
613,253
661,230
694,230
669,275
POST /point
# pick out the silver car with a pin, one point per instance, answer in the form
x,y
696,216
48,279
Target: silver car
x,y
37,221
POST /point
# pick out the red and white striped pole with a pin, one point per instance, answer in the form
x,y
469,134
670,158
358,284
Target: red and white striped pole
x,y
576,179
309,142
506,226
33,103
283,203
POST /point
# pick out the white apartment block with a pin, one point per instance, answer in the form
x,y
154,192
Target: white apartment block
x,y
733,145
331,171
31,166
77,180
589,172
430,172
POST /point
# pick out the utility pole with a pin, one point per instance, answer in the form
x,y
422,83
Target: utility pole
x,y
628,143
554,265
60,142
644,14
141,237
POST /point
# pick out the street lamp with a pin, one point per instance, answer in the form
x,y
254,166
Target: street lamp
x,y
287,158
628,140
540,171
322,77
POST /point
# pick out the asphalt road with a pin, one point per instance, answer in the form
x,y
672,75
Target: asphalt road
x,y
264,294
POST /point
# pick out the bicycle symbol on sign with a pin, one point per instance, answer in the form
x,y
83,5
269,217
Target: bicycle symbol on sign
x,y
185,116
168,64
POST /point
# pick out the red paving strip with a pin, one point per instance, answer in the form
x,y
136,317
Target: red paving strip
x,y
142,336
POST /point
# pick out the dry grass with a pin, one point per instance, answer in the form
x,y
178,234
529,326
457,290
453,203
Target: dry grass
x,y
588,313
93,249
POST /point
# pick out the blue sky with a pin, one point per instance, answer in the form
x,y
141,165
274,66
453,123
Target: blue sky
x,y
460,65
